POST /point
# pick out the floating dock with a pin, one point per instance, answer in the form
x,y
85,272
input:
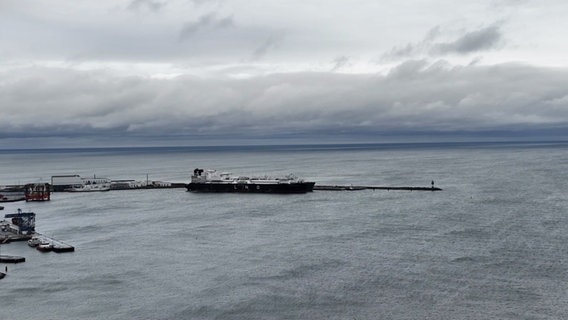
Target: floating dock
x,y
56,245
11,259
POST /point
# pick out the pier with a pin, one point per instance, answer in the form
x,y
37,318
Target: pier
x,y
356,188
9,236
22,228
62,183
56,245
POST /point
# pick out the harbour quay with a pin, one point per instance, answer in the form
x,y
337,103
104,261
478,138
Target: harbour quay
x,y
201,181
357,188
76,183
21,227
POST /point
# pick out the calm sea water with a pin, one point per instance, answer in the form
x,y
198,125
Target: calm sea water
x,y
492,245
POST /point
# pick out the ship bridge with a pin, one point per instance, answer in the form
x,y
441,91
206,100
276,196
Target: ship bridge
x,y
24,220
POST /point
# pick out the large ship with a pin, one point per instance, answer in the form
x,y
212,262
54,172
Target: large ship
x,y
213,181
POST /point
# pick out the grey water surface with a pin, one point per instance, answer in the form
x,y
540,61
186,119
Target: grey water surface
x,y
491,245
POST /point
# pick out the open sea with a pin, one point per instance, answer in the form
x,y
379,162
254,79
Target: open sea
x,y
492,245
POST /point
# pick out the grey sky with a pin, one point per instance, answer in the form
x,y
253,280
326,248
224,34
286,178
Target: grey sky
x,y
186,70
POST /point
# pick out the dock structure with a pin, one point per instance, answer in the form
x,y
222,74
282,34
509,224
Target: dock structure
x,y
24,221
56,245
22,228
22,225
11,259
41,192
7,258
356,188
7,236
37,192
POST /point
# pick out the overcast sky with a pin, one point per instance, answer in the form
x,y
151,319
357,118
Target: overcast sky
x,y
187,72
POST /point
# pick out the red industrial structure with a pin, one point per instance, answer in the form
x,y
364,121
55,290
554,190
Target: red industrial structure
x,y
38,192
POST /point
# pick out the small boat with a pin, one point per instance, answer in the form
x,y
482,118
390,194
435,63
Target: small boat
x,y
44,246
34,242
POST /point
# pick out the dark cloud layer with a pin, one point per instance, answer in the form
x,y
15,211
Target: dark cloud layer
x,y
179,69
479,40
414,97
206,22
271,43
151,5
340,62
474,41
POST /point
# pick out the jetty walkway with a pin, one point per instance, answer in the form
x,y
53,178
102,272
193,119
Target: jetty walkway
x,y
356,188
57,245
8,233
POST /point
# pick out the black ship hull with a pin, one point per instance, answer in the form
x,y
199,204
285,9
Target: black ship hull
x,y
300,187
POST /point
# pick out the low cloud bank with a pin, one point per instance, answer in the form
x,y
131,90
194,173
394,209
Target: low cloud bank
x,y
414,97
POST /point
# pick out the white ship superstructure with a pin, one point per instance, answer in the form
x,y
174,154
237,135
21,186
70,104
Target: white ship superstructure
x,y
91,184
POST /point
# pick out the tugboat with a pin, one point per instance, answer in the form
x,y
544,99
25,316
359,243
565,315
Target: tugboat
x,y
213,181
